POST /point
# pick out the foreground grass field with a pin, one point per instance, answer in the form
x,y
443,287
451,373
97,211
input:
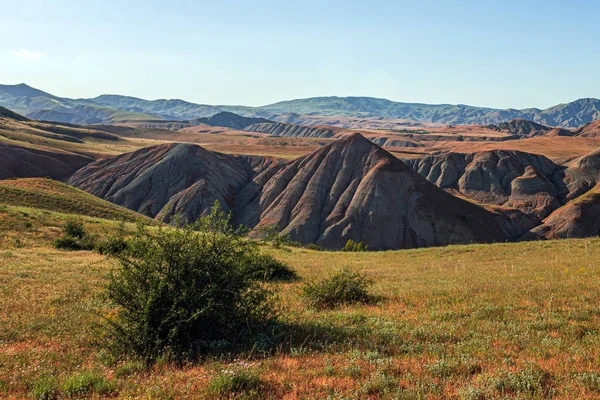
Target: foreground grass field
x,y
481,321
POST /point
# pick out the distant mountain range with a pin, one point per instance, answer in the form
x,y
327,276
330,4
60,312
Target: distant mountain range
x,y
109,109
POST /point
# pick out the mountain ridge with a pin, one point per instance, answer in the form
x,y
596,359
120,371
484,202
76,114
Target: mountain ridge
x,y
26,100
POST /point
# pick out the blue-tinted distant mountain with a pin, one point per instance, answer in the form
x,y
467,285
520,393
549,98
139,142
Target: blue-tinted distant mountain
x,y
571,114
27,100
37,104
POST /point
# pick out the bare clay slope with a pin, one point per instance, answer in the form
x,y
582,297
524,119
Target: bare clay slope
x,y
579,217
529,182
169,179
353,189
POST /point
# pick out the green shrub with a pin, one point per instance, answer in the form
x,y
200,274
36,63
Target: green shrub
x,y
72,243
74,228
179,291
345,287
351,245
113,244
316,247
266,268
86,384
75,237
45,387
237,382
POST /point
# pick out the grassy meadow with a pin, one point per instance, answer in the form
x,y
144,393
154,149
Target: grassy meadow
x,y
467,322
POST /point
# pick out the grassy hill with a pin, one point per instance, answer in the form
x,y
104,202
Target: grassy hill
x,y
56,196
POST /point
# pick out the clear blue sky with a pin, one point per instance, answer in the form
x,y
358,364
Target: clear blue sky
x,y
496,53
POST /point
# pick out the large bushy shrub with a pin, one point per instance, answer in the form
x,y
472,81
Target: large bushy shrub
x,y
182,291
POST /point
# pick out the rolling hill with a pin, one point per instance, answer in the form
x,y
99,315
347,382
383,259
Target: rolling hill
x,y
47,194
115,108
53,150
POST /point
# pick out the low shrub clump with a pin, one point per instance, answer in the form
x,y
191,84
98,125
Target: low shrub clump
x,y
345,287
351,245
113,244
178,292
75,237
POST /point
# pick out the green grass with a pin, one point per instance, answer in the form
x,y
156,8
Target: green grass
x,y
518,320
56,196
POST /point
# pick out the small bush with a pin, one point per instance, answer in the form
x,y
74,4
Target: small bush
x,y
351,245
316,247
75,244
238,382
345,287
114,244
86,384
74,228
45,388
266,268
74,237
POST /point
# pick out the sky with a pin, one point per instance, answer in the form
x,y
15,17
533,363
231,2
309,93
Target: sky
x,y
493,53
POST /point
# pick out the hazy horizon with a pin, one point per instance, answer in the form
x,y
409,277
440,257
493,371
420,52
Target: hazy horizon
x,y
502,55
280,101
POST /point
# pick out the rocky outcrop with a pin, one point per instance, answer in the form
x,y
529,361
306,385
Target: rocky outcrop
x,y
523,127
292,130
353,189
170,179
528,182
23,162
350,189
229,120
576,219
